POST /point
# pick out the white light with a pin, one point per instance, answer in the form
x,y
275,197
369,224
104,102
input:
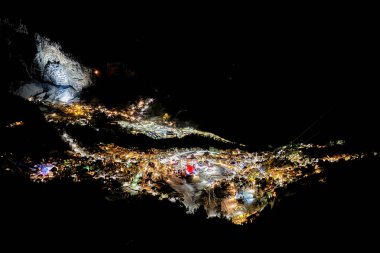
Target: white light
x,y
65,97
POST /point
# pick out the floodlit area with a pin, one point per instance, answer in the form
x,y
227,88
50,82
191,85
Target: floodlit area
x,y
228,183
133,119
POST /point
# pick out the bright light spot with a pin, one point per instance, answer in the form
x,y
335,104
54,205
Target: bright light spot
x,y
65,97
17,123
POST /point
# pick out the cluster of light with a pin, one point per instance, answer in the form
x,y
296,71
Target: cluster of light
x,y
76,110
133,119
15,124
233,184
345,157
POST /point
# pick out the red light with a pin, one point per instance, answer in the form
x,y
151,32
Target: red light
x,y
189,169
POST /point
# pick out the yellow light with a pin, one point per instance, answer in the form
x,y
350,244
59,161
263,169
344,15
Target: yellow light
x,y
166,116
17,123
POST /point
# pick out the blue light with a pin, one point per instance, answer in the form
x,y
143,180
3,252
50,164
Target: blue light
x,y
45,168
248,197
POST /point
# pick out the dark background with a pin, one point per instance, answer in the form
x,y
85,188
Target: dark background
x,y
261,80
256,79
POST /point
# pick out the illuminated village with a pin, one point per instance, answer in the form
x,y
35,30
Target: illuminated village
x,y
133,134
228,183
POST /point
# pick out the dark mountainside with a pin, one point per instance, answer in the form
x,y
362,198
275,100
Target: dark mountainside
x,y
259,85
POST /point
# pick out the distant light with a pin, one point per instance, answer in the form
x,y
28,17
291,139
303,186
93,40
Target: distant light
x,y
96,72
17,123
45,168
